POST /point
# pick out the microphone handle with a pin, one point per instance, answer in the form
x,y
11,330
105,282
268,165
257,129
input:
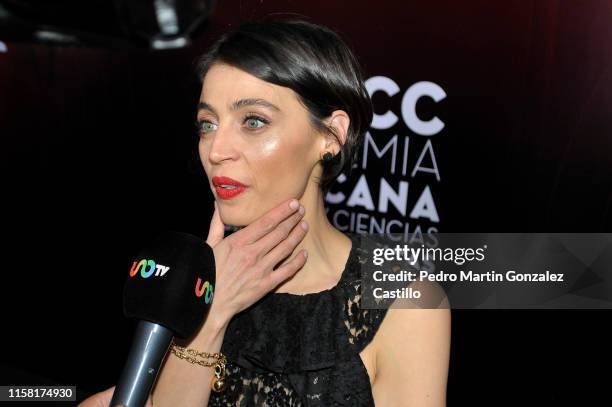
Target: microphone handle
x,y
149,347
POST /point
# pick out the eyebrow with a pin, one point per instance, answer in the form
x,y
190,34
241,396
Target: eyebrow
x,y
240,104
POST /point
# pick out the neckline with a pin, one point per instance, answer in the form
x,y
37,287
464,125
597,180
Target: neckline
x,y
347,267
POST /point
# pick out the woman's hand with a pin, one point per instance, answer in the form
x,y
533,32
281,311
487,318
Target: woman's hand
x,y
104,398
245,260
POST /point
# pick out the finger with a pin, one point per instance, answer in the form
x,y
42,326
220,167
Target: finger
x,y
282,232
149,402
106,396
287,270
216,230
285,248
100,399
266,223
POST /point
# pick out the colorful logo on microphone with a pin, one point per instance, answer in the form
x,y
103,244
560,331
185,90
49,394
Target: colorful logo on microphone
x,y
148,268
204,289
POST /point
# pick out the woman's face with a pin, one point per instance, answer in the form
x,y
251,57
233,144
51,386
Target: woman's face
x,y
269,146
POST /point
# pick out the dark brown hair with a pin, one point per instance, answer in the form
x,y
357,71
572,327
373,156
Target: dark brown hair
x,y
315,63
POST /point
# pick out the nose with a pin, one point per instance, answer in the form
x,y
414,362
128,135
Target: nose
x,y
221,146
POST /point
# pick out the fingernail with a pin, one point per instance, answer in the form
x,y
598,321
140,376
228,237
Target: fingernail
x,y
304,225
302,210
306,253
294,204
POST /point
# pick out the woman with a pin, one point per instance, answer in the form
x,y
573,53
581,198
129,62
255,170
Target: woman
x,y
282,111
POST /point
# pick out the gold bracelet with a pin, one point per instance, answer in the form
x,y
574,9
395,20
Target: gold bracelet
x,y
217,383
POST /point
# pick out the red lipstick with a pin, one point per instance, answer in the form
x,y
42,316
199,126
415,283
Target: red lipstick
x,y
227,188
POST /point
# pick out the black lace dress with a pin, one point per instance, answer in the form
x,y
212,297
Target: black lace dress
x,y
302,350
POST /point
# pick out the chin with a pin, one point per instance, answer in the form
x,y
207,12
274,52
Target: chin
x,y
233,217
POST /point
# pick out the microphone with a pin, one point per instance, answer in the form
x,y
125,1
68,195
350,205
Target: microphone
x,y
169,289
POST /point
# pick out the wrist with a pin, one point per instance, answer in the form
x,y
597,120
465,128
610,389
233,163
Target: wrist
x,y
213,330
219,316
216,322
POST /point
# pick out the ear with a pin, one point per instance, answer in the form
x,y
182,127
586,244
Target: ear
x,y
339,121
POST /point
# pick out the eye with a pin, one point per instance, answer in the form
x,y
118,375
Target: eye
x,y
205,126
254,122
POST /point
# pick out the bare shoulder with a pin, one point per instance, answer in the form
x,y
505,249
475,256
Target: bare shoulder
x,y
412,350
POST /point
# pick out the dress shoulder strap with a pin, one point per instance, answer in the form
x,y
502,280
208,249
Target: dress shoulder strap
x,y
361,324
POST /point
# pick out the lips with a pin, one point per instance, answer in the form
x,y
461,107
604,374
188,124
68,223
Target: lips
x,y
218,181
227,188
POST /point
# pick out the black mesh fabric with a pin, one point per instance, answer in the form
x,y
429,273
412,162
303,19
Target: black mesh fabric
x,y
302,350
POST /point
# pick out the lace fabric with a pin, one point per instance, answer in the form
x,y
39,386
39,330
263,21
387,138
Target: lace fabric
x,y
302,350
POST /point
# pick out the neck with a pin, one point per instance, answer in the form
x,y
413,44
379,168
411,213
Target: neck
x,y
327,248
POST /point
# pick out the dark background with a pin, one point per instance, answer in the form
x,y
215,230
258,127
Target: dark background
x,y
98,151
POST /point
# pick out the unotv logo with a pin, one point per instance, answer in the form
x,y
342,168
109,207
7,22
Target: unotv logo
x,y
149,268
204,288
